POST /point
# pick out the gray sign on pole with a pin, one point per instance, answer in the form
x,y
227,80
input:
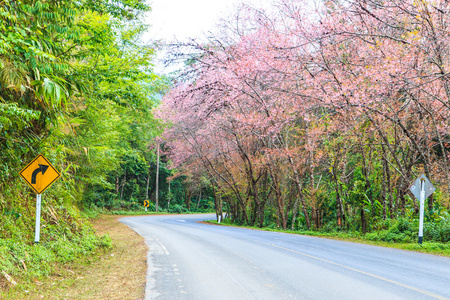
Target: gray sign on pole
x,y
422,188
416,186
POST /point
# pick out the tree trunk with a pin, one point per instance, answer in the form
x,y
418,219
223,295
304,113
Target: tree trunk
x,y
295,212
318,219
266,191
123,185
217,205
261,214
187,198
278,219
199,199
384,184
367,186
338,196
300,193
281,219
363,220
389,191
255,208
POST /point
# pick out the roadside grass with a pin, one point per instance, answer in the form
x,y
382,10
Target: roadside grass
x,y
117,273
442,249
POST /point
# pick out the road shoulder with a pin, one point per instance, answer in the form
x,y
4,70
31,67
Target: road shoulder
x,y
119,273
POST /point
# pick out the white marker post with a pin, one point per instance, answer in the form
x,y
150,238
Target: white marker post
x,y
38,218
422,208
422,188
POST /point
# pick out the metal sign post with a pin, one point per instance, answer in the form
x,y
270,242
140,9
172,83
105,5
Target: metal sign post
x,y
38,218
422,188
422,208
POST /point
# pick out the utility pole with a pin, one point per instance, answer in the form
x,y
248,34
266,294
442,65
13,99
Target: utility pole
x,y
157,176
148,183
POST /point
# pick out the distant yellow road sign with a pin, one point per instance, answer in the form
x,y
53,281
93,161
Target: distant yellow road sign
x,y
39,174
146,203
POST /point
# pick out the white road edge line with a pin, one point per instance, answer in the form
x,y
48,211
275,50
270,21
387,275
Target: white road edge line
x,y
162,246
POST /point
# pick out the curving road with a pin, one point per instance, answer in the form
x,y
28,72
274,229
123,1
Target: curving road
x,y
191,260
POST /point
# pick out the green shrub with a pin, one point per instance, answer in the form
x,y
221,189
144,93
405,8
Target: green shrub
x,y
437,231
39,259
65,236
177,209
406,231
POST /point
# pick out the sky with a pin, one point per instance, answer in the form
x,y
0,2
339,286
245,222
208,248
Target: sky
x,y
183,19
179,20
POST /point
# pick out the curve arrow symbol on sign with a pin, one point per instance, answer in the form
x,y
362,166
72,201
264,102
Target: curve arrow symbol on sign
x,y
41,169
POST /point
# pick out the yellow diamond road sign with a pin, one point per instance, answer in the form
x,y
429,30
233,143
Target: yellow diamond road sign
x,y
39,174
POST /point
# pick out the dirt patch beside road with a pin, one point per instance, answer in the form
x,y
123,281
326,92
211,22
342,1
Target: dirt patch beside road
x,y
119,273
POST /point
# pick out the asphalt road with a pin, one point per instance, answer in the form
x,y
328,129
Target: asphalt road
x,y
191,260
